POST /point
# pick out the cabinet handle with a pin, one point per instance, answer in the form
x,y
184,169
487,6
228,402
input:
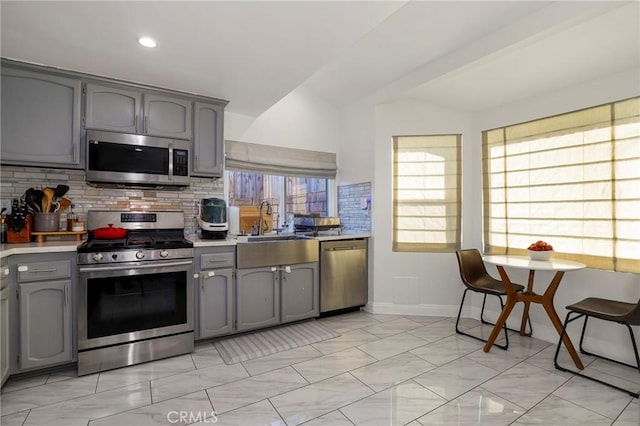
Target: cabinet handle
x,y
286,269
135,122
25,268
197,162
75,153
66,296
211,273
146,125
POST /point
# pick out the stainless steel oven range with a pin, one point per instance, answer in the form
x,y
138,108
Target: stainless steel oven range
x,y
135,295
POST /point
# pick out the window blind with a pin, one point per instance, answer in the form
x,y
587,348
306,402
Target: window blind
x,y
426,193
572,180
275,160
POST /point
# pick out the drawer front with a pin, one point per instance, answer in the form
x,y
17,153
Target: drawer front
x,y
44,270
217,260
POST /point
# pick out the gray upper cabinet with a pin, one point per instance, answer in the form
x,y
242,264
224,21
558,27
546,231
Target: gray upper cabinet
x,y
208,149
167,116
40,119
127,110
108,108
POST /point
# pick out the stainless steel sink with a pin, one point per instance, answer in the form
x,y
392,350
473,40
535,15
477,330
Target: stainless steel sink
x,y
273,250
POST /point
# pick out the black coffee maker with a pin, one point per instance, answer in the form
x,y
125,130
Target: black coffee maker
x,y
212,218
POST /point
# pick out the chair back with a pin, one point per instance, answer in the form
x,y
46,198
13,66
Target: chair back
x,y
472,270
633,317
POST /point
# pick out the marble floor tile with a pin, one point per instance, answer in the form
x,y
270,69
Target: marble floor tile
x,y
391,371
79,411
524,384
47,394
389,328
15,419
333,364
544,359
496,358
346,340
342,326
334,418
244,392
280,359
394,406
446,350
476,407
629,374
319,398
203,346
424,319
593,396
192,381
465,323
60,375
455,378
385,317
193,408
17,383
206,358
435,331
259,414
144,372
557,411
629,417
390,346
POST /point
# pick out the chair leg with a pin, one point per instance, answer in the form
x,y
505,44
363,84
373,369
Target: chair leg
x,y
505,346
482,320
577,373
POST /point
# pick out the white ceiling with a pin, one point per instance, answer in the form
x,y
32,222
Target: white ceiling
x,y
467,55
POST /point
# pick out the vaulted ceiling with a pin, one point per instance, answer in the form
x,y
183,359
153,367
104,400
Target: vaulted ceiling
x,y
467,55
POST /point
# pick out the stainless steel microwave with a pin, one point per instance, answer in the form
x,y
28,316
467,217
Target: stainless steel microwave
x,y
119,158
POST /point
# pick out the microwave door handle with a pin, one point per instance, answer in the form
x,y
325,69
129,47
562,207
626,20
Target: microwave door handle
x,y
171,158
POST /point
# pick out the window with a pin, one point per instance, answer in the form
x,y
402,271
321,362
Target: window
x,y
296,194
426,193
572,180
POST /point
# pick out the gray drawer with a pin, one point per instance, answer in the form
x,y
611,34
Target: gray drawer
x,y
44,270
217,260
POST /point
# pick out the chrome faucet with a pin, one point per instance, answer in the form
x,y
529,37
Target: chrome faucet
x,y
260,221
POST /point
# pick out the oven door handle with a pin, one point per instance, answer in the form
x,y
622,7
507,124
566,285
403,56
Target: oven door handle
x,y
128,267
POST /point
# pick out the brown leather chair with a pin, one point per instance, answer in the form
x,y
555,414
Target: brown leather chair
x,y
476,278
624,313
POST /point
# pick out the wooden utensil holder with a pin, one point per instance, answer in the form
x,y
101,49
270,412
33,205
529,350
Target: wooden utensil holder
x,y
24,236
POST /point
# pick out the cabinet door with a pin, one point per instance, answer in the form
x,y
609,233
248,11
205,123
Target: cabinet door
x,y
40,119
112,109
167,116
300,292
45,324
216,302
4,334
258,298
208,149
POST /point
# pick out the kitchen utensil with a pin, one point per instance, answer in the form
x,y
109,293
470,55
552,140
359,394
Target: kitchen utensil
x,y
64,204
59,192
48,193
32,200
109,233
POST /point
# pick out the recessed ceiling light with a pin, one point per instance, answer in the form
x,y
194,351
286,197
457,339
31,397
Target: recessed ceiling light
x,y
147,42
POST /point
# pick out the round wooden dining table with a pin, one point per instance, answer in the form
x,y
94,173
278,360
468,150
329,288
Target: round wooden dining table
x,y
528,296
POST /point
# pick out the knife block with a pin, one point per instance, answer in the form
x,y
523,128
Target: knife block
x,y
24,236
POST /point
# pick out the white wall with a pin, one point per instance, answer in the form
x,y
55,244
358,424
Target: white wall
x,y
420,283
300,120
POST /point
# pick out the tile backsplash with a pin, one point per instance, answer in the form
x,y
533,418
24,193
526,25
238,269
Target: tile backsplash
x,y
15,180
354,207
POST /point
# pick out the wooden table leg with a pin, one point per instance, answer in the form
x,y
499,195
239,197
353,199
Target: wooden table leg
x,y
527,304
547,303
512,299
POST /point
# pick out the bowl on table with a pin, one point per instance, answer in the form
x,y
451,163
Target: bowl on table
x,y
540,255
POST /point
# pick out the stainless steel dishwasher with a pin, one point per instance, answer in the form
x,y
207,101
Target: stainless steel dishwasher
x,y
343,274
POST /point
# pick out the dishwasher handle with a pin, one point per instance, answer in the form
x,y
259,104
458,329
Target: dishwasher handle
x,y
343,248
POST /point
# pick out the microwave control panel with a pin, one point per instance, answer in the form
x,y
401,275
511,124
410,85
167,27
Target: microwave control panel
x,y
180,162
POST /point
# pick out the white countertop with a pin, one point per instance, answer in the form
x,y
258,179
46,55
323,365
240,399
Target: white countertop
x,y
30,248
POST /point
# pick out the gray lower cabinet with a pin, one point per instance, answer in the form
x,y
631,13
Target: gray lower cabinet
x,y
216,303
40,118
214,291
5,330
300,292
45,323
257,298
208,150
45,300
